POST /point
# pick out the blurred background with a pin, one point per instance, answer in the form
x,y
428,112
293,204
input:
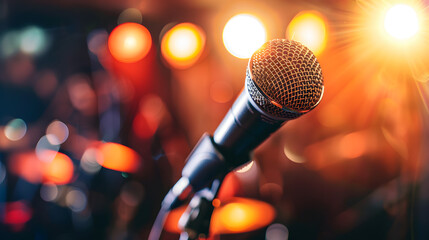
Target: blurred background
x,y
102,101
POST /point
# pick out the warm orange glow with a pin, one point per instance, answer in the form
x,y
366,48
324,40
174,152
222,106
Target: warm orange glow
x,y
353,145
59,170
129,42
216,202
230,186
388,34
172,220
221,91
182,45
233,216
118,157
27,166
309,28
242,215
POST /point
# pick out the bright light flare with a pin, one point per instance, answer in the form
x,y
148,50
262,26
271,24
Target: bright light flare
x,y
401,21
309,28
390,35
129,42
182,45
243,34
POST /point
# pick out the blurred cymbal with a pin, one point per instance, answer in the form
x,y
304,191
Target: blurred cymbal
x,y
236,215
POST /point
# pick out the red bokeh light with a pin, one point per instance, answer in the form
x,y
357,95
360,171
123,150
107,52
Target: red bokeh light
x,y
16,215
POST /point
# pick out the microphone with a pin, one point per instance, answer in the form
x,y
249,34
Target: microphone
x,y
283,81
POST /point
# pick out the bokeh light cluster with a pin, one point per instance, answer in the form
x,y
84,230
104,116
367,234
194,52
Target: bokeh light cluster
x,y
99,111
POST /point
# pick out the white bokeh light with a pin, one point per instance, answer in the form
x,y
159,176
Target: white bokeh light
x,y
243,34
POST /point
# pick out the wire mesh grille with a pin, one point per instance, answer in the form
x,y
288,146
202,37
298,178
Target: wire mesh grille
x,y
288,74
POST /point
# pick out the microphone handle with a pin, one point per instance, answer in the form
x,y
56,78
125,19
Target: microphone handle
x,y
243,128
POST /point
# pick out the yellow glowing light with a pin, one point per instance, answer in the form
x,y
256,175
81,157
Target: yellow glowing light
x,y
129,42
401,21
309,28
243,34
59,170
182,45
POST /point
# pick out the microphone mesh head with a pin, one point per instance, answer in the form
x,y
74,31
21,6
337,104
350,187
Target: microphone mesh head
x,y
284,78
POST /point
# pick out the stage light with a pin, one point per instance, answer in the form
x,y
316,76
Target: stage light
x,y
308,28
58,171
129,42
182,45
243,34
118,157
401,21
241,215
236,215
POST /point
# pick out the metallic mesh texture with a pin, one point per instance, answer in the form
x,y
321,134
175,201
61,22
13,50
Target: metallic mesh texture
x,y
265,103
289,76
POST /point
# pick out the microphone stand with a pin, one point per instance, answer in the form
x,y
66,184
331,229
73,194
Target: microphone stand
x,y
205,170
195,221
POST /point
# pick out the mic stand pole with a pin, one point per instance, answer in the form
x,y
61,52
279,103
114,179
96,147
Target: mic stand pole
x,y
206,165
195,221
